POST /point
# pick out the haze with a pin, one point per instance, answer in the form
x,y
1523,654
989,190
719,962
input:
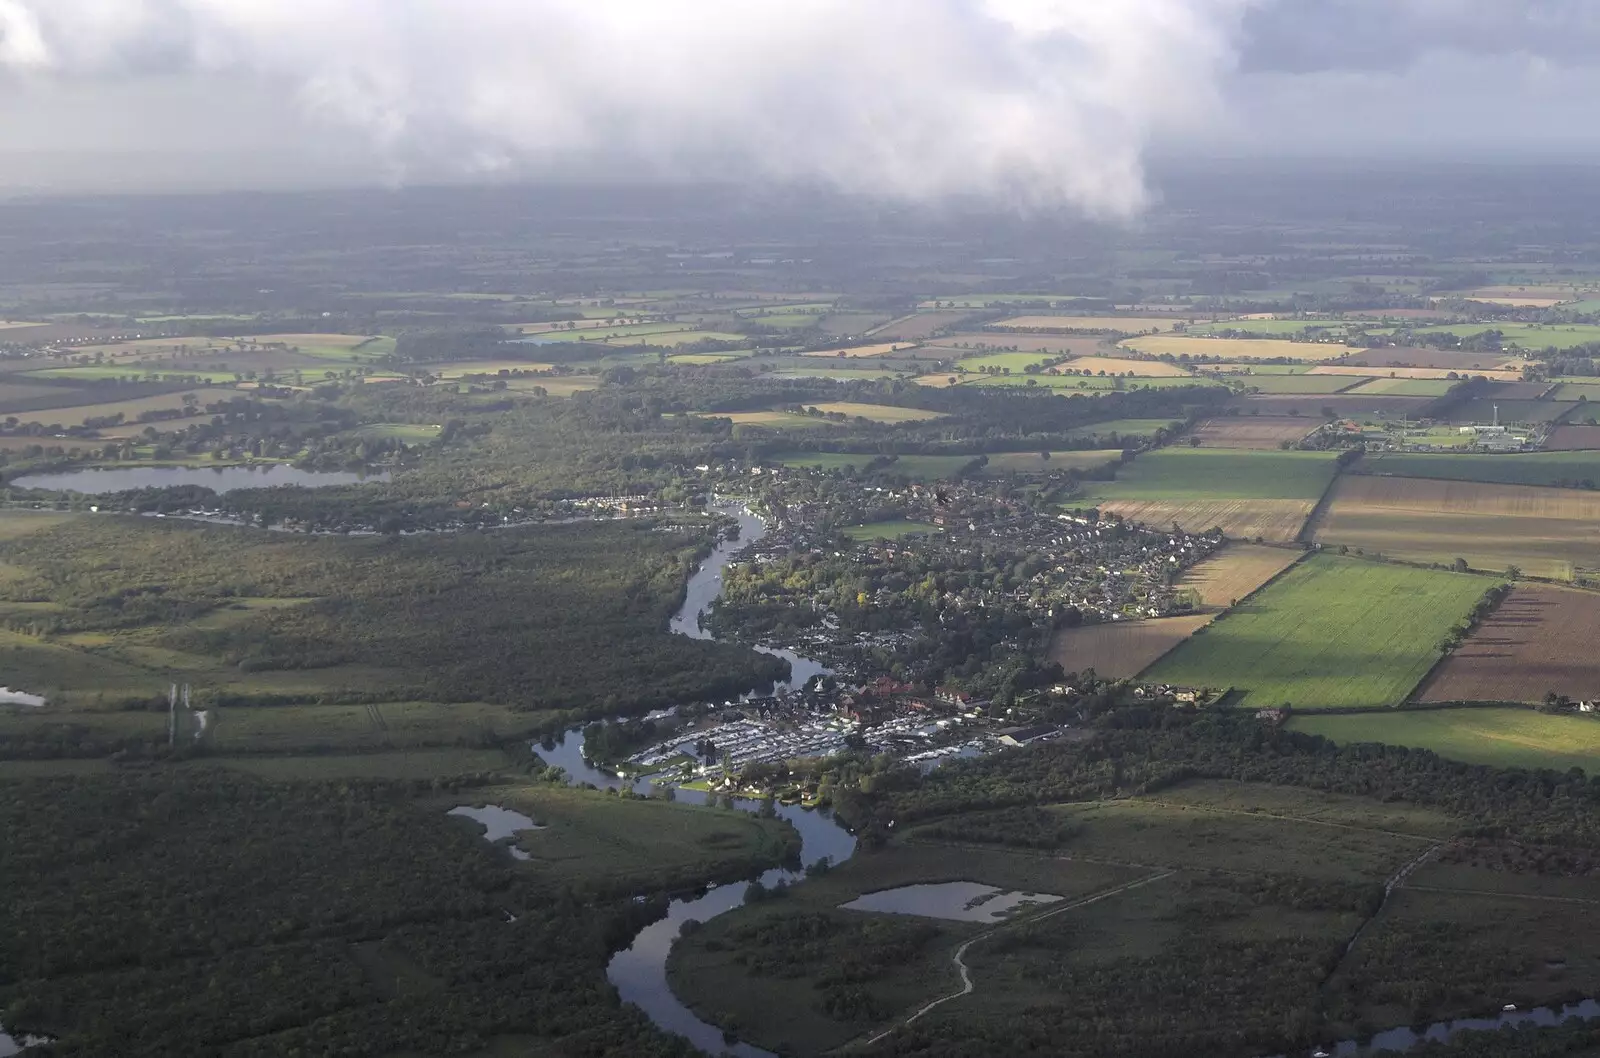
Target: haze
x,y
1042,103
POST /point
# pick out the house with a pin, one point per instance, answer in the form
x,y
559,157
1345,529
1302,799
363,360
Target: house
x,y
951,696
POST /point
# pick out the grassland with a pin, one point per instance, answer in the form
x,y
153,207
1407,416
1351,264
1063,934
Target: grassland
x,y
1502,737
890,530
1329,633
1237,348
1121,649
1246,493
1546,532
1033,462
887,413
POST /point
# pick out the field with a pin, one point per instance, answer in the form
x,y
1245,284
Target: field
x,y
1121,649
1237,348
1235,572
916,328
927,468
1033,463
1273,327
1504,737
1404,387
1530,336
1125,428
1540,639
787,420
1114,324
1589,391
406,764
1573,439
1093,383
1251,432
859,351
1306,383
1120,366
1005,361
1509,468
1329,633
876,412
1408,372
893,530
1388,358
1247,494
1344,406
969,343
1512,411
1546,532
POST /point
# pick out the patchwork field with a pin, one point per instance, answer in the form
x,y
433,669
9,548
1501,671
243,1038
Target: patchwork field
x,y
1246,494
1237,348
1251,432
1541,639
1329,633
1235,572
1389,358
876,412
1403,387
1122,649
859,351
1111,324
1504,737
1546,532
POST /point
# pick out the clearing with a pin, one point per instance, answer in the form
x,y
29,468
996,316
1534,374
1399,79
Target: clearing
x,y
1329,633
1122,649
1540,639
1547,532
1507,737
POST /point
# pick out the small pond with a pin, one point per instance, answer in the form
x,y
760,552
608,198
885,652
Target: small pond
x,y
498,823
10,1045
957,901
93,481
10,697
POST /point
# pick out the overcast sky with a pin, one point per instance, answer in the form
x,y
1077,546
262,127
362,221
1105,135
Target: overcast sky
x,y
1048,102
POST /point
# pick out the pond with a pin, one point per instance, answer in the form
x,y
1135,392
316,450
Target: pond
x,y
93,481
956,901
10,697
10,1045
499,824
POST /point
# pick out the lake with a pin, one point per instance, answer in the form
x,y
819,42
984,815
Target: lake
x,y
955,901
94,481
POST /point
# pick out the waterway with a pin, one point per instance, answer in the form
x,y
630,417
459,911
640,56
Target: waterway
x,y
639,971
94,481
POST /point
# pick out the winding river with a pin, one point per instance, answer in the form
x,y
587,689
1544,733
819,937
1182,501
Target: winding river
x,y
639,972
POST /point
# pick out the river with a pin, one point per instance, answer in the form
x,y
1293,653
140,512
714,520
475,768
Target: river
x,y
639,972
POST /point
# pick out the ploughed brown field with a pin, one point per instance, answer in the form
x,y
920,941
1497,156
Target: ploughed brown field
x,y
1546,532
1449,359
1541,639
1277,520
1235,572
1122,649
1261,432
1573,439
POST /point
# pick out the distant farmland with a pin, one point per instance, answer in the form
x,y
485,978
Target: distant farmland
x,y
1540,639
1330,632
1252,432
1121,649
1508,737
1563,469
1237,348
1114,324
1546,532
1235,572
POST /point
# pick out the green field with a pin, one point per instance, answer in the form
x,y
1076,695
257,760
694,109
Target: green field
x,y
1508,737
1509,468
1530,336
1512,411
1033,463
1092,382
928,468
1331,632
1176,474
891,530
1015,361
1125,428
1404,387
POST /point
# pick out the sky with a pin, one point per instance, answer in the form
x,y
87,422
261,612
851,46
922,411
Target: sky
x,y
1030,103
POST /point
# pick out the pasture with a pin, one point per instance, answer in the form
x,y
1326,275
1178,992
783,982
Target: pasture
x,y
1508,737
1236,348
1330,632
1540,639
1233,573
1532,337
1252,432
1546,532
1125,428
1121,649
1006,361
927,468
884,413
1035,462
1403,387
